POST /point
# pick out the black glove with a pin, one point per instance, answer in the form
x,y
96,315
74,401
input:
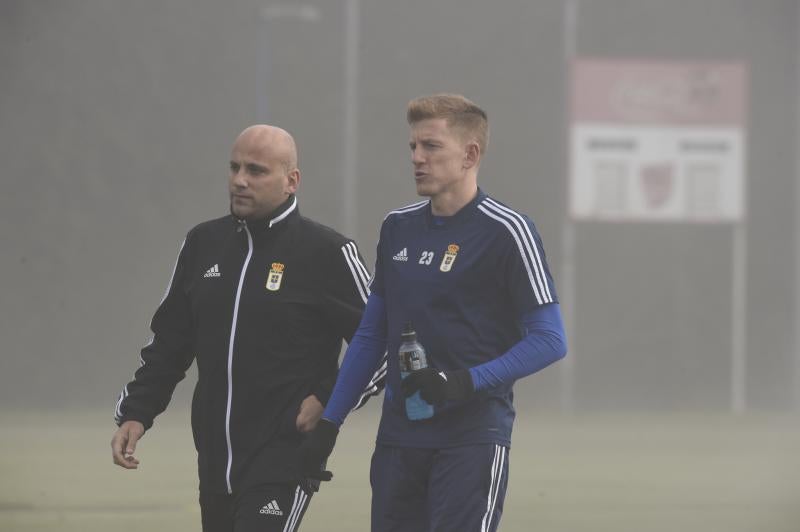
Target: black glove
x,y
316,449
436,386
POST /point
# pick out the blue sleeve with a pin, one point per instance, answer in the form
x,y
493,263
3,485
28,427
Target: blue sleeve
x,y
360,360
544,343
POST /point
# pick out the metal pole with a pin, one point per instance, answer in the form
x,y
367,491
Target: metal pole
x,y
350,166
739,320
568,297
796,380
568,300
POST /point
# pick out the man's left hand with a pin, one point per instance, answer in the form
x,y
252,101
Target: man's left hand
x,y
315,450
308,416
436,386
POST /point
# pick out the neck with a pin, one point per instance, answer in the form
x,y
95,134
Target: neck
x,y
449,202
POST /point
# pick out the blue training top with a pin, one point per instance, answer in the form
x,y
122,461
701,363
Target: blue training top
x,y
476,288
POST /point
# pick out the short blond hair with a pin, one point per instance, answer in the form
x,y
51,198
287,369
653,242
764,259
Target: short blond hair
x,y
459,112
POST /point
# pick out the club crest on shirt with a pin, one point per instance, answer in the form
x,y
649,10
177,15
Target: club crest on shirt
x,y
449,258
275,276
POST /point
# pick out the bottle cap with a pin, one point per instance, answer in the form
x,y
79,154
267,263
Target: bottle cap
x,y
409,334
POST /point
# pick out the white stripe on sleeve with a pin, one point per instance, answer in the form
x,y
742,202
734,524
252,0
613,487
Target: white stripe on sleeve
x,y
360,268
372,386
530,244
361,284
174,268
524,256
117,410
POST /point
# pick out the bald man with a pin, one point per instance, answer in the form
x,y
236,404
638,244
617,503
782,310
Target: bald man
x,y
262,299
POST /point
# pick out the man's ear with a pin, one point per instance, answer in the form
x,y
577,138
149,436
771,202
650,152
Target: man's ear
x,y
472,155
294,180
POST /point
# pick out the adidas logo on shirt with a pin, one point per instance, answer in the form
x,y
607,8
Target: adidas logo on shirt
x,y
271,509
402,255
213,272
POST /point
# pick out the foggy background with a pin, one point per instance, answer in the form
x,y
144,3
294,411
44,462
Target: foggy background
x,y
116,122
118,117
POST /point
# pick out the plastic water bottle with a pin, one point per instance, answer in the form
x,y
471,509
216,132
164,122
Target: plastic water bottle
x,y
412,358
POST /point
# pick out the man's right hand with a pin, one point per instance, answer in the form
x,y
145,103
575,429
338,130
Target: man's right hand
x,y
316,449
123,444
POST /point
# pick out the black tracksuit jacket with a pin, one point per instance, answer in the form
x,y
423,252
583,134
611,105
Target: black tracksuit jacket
x,y
263,307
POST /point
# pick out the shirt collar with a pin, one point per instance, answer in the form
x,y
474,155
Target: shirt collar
x,y
463,214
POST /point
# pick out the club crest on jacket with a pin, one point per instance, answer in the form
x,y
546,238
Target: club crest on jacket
x,y
275,276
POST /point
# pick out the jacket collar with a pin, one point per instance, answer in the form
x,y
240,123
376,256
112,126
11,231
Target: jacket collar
x,y
281,213
286,211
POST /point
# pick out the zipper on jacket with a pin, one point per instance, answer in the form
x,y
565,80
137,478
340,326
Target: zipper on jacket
x,y
230,356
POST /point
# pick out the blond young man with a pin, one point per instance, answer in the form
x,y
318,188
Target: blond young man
x,y
469,275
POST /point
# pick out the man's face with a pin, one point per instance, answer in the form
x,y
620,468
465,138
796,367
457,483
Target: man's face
x,y
438,154
259,180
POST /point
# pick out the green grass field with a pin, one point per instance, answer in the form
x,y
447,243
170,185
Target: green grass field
x,y
577,473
